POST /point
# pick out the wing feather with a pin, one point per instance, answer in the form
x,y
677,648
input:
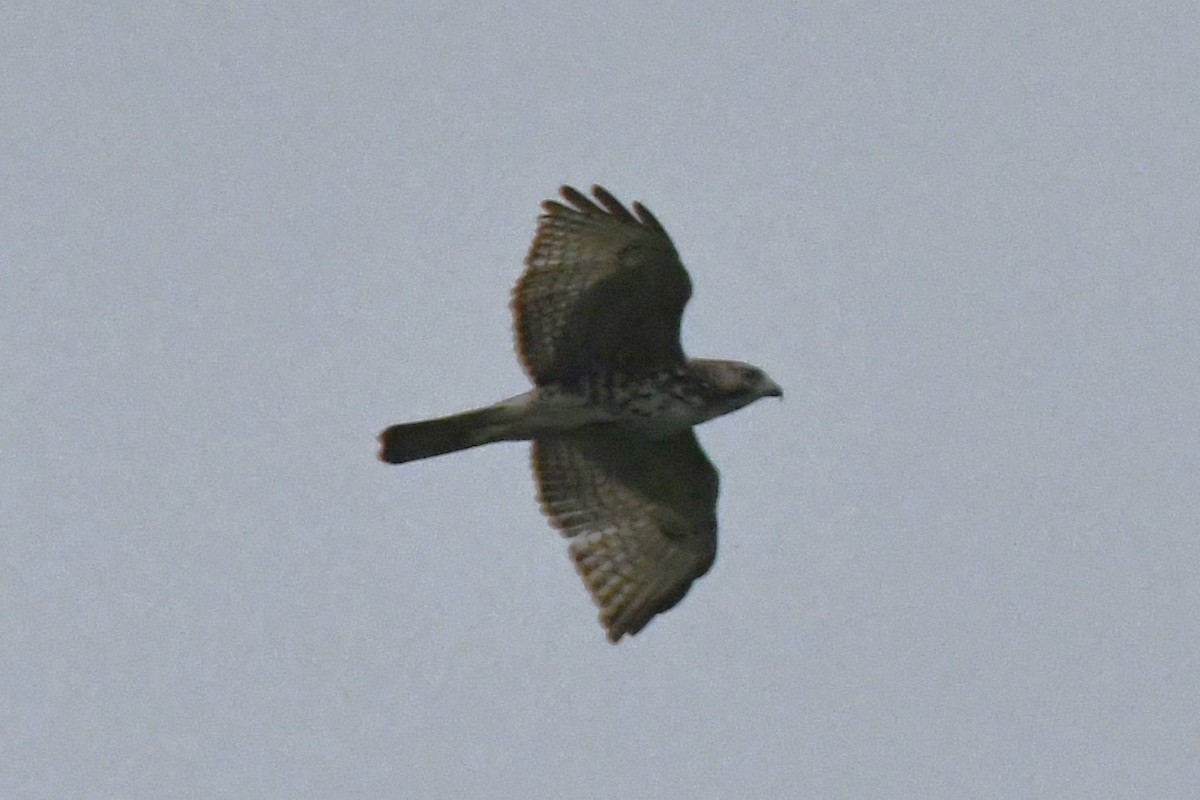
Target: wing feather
x,y
602,290
641,516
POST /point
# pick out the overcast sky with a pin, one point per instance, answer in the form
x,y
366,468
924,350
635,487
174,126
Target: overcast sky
x,y
959,560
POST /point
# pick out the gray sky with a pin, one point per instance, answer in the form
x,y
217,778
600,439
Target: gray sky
x,y
960,560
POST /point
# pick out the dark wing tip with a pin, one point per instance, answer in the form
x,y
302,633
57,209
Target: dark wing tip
x,y
620,619
580,203
612,205
579,200
646,218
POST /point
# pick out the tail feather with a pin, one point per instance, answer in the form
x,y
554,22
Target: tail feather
x,y
411,441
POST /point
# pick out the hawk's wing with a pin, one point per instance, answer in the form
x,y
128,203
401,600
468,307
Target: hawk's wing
x,y
641,516
602,288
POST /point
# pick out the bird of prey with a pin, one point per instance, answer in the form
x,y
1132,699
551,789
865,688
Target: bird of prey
x,y
618,468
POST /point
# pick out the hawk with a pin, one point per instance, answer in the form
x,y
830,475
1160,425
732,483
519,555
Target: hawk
x,y
618,468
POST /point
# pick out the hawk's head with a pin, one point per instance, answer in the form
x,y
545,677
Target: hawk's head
x,y
730,385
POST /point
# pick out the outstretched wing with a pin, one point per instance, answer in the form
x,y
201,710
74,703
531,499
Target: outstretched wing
x,y
602,289
641,516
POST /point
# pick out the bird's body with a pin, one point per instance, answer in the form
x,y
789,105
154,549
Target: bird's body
x,y
655,406
611,412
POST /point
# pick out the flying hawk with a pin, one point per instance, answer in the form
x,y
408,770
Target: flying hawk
x,y
618,467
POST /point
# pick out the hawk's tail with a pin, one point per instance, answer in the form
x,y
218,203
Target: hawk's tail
x,y
434,437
